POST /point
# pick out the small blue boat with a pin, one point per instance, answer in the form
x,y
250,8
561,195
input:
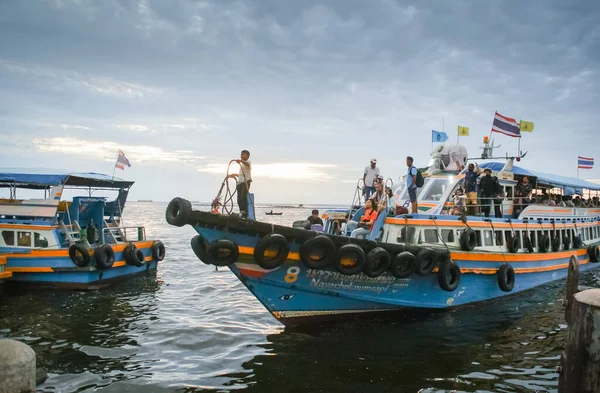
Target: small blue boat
x,y
81,243
410,261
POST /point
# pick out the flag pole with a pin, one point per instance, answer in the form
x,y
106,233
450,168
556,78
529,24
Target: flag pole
x,y
578,167
115,166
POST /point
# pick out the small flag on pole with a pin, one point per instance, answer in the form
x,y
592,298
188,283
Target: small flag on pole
x,y
585,163
506,125
122,160
438,136
463,131
525,126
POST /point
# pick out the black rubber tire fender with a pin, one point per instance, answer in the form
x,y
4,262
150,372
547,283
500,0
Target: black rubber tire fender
x,y
271,240
199,245
506,277
179,212
133,256
158,251
468,239
544,243
214,250
327,248
104,256
403,264
378,261
513,244
449,276
426,261
79,255
594,253
354,251
555,244
566,242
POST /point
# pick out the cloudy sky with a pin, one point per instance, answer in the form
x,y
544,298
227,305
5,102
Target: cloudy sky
x,y
313,89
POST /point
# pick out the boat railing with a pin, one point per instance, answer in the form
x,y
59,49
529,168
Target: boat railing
x,y
119,234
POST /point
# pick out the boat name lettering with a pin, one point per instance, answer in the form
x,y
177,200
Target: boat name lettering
x,y
348,285
324,274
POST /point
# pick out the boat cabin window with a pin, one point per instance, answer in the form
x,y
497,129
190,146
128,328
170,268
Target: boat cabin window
x,y
39,241
24,239
8,237
487,238
448,235
430,236
436,190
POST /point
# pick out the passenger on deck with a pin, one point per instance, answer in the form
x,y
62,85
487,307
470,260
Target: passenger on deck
x,y
380,198
366,221
459,202
471,176
411,184
391,201
569,201
314,218
370,177
489,193
522,191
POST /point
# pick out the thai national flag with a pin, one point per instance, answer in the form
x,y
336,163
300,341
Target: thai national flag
x,y
122,160
585,163
506,125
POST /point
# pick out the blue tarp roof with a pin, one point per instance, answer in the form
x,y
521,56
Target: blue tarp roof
x,y
569,184
28,179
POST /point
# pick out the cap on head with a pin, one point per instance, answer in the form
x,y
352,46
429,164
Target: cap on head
x,y
487,170
373,161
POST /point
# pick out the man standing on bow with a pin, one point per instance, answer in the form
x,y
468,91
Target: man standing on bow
x,y
244,178
370,177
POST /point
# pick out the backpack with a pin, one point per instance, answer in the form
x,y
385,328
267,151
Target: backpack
x,y
420,181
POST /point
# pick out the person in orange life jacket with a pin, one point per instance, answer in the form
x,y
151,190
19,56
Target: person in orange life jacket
x,y
471,176
366,220
244,178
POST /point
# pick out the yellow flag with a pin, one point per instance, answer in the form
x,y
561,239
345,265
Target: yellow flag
x,y
526,126
463,131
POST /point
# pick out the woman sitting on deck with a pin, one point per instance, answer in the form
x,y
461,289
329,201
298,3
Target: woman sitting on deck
x,y
366,221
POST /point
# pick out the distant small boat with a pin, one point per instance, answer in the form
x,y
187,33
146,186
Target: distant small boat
x,y
272,213
144,200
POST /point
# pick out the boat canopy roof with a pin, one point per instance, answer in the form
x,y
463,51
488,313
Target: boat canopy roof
x,y
570,184
25,179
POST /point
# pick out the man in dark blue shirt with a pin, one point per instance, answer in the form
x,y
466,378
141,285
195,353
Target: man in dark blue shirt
x,y
471,176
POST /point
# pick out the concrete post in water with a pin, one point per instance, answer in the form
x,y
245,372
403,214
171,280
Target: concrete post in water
x,y
17,367
580,361
572,285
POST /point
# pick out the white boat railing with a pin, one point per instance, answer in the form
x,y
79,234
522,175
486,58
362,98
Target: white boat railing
x,y
119,234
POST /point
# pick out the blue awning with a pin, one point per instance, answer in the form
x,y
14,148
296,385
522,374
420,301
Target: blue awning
x,y
24,178
571,185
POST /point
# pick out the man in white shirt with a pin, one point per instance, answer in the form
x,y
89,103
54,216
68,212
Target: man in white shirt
x,y
244,178
370,177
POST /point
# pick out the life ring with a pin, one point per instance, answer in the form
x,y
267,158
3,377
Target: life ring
x,y
425,261
555,244
403,264
594,253
527,243
273,243
577,241
133,256
468,239
566,242
513,244
506,277
199,247
318,252
350,260
544,243
178,212
79,255
449,276
104,256
222,252
378,261
158,251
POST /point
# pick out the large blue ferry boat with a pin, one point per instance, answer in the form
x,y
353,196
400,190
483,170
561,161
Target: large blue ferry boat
x,y
430,260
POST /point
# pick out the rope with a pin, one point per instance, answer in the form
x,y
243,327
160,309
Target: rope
x,y
437,229
228,199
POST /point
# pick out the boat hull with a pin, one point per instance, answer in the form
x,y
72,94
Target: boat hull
x,y
55,268
295,294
